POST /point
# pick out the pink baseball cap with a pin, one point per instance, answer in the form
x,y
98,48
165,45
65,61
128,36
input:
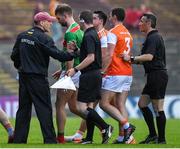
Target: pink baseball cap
x,y
42,16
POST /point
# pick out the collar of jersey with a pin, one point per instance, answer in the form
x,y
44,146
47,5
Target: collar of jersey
x,y
70,27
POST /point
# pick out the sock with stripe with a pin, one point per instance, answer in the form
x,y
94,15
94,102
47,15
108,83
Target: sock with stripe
x,y
9,129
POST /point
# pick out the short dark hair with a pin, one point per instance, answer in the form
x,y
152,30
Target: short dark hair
x,y
102,16
36,22
87,16
63,8
151,17
119,13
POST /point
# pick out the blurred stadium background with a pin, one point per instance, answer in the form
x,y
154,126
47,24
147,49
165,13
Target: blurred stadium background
x,y
17,16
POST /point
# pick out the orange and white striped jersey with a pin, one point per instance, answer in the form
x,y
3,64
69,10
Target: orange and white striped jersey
x,y
103,37
102,34
122,39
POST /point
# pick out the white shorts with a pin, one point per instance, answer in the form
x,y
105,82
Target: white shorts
x,y
75,78
117,83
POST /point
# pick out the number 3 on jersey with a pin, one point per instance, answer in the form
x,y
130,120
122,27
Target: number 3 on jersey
x,y
127,41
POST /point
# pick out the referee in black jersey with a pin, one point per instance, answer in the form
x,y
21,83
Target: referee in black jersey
x,y
153,58
90,79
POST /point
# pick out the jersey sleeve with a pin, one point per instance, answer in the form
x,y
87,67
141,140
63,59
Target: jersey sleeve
x,y
103,41
51,50
15,55
111,38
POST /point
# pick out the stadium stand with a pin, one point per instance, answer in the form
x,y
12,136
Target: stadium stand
x,y
15,17
8,82
167,12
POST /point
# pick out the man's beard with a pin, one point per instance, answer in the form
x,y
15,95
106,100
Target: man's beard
x,y
64,24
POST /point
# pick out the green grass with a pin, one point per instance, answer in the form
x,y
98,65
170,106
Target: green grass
x,y
35,136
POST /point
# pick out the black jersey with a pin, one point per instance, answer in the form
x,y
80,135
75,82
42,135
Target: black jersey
x,y
154,45
91,44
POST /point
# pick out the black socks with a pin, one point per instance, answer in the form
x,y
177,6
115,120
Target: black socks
x,y
148,117
161,124
94,117
90,130
160,120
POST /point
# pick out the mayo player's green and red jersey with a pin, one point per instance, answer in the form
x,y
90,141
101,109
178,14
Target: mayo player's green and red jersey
x,y
73,33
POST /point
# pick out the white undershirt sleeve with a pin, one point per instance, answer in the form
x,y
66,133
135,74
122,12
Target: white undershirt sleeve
x,y
111,38
103,42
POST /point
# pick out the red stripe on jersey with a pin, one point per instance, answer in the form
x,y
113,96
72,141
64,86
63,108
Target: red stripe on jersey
x,y
74,29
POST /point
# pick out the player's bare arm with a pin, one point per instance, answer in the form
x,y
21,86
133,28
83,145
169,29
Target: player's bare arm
x,y
108,56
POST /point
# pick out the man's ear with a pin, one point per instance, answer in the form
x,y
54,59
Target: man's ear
x,y
149,23
115,17
101,21
41,23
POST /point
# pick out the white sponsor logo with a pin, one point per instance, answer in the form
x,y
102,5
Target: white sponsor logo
x,y
27,41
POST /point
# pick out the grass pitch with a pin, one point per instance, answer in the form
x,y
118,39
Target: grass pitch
x,y
35,136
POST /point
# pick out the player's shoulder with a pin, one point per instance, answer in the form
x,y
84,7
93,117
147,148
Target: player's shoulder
x,y
102,33
73,28
117,28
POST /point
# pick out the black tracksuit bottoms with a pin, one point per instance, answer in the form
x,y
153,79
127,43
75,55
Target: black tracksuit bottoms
x,y
34,89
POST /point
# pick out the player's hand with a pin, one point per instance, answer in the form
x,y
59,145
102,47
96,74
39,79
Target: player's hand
x,y
126,57
70,72
57,74
71,46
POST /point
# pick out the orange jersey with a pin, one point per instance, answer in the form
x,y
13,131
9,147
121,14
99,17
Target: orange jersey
x,y
122,39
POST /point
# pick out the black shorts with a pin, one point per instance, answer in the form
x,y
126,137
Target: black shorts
x,y
90,86
156,84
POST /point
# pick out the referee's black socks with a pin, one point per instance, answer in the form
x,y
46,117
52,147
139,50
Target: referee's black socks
x,y
90,129
98,121
161,124
148,117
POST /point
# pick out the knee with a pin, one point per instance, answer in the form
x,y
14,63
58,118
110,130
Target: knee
x,y
59,106
73,109
103,105
81,110
141,104
157,109
120,106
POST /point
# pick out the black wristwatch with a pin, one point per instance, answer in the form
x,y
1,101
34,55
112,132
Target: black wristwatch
x,y
75,69
132,58
102,72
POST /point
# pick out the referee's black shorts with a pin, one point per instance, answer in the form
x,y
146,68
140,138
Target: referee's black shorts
x,y
156,84
90,86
